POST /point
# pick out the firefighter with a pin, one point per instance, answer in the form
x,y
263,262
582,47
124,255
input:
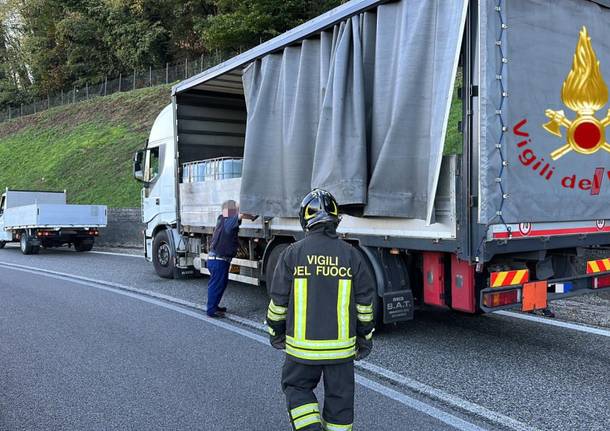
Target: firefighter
x,y
321,314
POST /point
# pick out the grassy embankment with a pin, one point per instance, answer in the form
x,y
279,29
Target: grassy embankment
x,y
85,148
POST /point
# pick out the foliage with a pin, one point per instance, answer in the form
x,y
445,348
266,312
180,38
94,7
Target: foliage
x,y
50,45
241,24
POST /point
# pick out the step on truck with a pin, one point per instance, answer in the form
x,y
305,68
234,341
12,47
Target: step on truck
x,y
465,142
37,219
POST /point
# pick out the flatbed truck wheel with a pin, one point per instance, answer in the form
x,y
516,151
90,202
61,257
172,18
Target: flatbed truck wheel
x,y
25,244
164,257
83,246
2,244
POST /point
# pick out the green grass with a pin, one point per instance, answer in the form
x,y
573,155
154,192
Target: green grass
x,y
454,138
85,148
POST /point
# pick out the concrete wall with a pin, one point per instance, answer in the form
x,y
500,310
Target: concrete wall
x,y
124,229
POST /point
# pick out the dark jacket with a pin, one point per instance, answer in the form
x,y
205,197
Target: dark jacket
x,y
321,299
225,240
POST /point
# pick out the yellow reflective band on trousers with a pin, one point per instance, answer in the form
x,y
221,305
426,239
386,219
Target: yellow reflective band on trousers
x,y
300,308
305,421
305,409
343,301
335,427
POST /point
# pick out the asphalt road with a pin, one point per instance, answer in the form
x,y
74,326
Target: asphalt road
x,y
79,357
496,372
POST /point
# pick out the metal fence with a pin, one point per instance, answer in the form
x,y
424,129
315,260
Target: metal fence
x,y
124,82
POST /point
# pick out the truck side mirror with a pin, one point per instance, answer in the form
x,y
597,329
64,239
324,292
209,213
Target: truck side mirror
x,y
138,165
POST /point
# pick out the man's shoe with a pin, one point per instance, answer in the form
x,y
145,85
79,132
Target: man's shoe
x,y
222,309
216,315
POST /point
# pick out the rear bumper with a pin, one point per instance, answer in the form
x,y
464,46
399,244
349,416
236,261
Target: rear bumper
x,y
537,294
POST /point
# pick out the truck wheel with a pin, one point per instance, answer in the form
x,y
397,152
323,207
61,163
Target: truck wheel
x,y
2,244
272,261
26,245
83,245
164,257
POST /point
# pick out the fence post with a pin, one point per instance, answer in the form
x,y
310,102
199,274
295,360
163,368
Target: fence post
x,y
120,79
35,108
134,79
62,96
201,63
9,112
87,91
74,95
150,76
48,101
21,111
106,85
167,73
186,68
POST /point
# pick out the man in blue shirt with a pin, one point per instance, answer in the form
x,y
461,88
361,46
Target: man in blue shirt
x,y
223,249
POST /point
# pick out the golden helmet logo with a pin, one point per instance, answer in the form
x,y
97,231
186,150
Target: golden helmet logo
x,y
584,92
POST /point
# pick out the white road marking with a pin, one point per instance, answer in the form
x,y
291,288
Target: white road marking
x,y
109,253
407,401
557,323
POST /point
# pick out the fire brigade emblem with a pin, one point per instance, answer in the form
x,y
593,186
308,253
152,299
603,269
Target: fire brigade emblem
x,y
584,92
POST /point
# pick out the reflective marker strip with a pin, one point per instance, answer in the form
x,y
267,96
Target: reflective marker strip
x,y
277,309
305,421
320,355
275,317
509,278
364,308
336,427
595,266
304,409
365,318
343,300
300,308
321,344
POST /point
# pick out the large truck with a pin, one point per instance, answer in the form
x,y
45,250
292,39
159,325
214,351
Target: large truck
x,y
37,219
502,220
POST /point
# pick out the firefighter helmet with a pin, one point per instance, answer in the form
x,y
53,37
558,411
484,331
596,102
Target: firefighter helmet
x,y
319,206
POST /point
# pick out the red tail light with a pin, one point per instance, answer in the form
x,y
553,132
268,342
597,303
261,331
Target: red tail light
x,y
498,299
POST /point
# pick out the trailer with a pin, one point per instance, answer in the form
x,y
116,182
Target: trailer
x,y
43,219
359,101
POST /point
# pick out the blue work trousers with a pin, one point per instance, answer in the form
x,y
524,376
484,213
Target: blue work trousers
x,y
219,278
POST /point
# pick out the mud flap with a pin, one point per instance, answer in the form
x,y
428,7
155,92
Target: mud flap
x,y
398,306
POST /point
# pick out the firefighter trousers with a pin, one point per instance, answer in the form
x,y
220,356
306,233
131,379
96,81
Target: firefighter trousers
x,y
298,383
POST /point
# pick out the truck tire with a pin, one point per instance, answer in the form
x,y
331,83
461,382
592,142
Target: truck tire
x,y
2,244
272,261
163,255
83,246
26,246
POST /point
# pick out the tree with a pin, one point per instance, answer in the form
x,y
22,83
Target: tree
x,y
241,24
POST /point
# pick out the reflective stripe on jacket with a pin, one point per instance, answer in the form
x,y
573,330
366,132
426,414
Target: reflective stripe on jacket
x,y
321,299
